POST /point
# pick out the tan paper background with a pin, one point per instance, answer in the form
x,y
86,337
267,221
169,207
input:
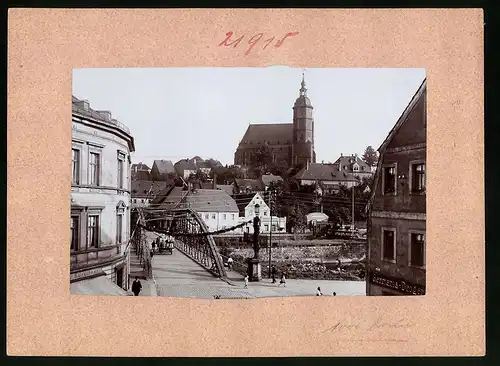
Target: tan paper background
x,y
43,48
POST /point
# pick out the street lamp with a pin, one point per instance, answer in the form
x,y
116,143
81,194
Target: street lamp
x,y
254,268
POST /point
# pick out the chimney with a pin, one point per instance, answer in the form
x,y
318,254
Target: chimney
x,y
307,165
215,180
341,154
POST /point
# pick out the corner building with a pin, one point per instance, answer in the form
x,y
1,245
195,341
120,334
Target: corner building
x,y
397,207
100,201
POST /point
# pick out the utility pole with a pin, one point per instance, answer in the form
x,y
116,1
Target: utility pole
x,y
270,228
352,211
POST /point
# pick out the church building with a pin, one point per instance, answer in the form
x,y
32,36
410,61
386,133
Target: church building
x,y
290,144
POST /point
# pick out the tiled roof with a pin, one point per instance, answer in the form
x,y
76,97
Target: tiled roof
x,y
269,178
204,164
273,133
169,197
211,200
228,188
164,166
252,184
184,164
349,160
140,188
323,172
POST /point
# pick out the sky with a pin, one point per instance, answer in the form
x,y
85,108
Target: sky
x,y
176,113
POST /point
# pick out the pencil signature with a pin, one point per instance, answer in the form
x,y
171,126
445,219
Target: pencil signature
x,y
379,323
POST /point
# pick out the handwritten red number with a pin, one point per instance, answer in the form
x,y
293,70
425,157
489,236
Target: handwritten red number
x,y
290,34
268,42
254,40
228,37
252,43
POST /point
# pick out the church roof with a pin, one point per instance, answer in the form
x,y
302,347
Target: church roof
x,y
273,133
303,101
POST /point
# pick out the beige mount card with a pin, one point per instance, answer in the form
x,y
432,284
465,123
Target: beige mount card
x,y
44,45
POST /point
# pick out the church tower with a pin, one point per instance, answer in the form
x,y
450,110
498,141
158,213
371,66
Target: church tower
x,y
303,130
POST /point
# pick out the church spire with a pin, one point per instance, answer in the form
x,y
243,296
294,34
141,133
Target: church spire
x,y
303,89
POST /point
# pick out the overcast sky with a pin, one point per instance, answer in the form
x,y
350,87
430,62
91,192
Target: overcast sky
x,y
176,113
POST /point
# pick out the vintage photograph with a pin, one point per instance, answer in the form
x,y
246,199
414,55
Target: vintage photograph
x,y
242,183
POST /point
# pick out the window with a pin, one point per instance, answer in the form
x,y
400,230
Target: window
x,y
417,249
418,177
119,228
93,231
232,216
206,216
75,159
266,227
388,244
265,213
120,173
274,228
142,201
75,232
213,216
389,180
95,166
224,216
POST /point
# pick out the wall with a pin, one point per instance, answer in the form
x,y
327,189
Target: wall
x,y
107,196
219,220
401,268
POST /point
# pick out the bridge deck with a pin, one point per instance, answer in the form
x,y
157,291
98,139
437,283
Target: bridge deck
x,y
179,276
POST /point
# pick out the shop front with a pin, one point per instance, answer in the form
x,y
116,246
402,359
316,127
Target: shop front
x,y
383,285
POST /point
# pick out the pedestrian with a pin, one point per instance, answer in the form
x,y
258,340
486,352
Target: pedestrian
x,y
318,292
282,281
230,263
334,294
273,273
246,281
153,245
136,287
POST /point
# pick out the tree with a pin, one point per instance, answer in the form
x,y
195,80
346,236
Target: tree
x,y
370,156
296,216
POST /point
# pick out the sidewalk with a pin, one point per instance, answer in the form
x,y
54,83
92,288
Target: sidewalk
x,y
148,288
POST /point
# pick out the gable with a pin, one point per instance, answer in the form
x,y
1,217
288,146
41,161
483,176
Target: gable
x,y
413,130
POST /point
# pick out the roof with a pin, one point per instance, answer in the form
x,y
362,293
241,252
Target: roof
x,y
242,200
273,133
184,164
164,166
140,188
323,172
228,188
101,116
349,160
303,101
269,178
204,164
401,120
211,200
253,184
169,197
140,166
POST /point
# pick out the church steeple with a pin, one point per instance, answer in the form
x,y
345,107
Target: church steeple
x,y
303,90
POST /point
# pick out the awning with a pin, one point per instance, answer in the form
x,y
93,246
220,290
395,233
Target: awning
x,y
97,286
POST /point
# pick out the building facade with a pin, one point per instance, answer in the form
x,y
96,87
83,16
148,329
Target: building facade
x,y
352,164
288,144
268,223
397,207
100,196
327,176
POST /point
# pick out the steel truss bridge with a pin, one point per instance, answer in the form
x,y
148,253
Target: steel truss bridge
x,y
192,237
